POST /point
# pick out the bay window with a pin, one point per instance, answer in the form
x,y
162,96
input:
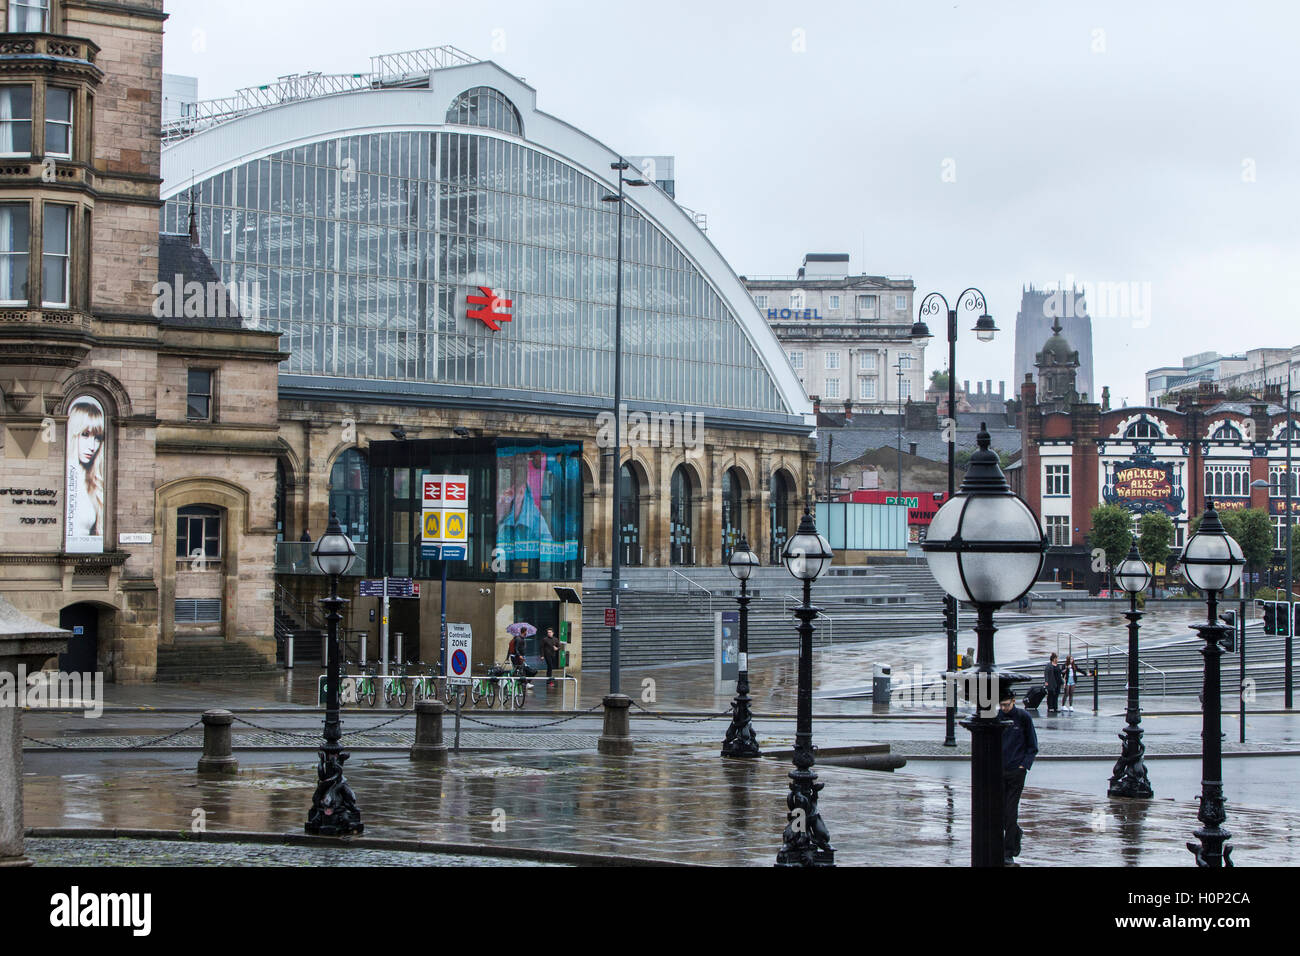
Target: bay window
x,y
56,243
58,122
15,120
14,246
29,16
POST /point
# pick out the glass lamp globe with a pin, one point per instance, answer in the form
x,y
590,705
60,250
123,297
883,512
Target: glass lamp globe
x,y
807,554
334,551
985,328
985,544
1212,560
1133,575
742,561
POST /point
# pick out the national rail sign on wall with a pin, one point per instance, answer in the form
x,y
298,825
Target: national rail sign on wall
x,y
1143,484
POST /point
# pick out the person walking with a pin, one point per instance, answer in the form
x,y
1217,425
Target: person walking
x,y
551,651
1052,681
1019,747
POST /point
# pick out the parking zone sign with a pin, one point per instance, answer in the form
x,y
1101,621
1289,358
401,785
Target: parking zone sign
x,y
460,642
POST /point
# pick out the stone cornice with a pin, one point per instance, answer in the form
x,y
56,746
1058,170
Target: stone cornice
x,y
127,9
198,446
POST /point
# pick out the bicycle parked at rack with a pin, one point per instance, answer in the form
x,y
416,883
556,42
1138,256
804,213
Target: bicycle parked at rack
x,y
425,686
395,688
367,686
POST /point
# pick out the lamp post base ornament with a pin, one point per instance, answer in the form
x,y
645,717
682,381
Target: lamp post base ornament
x,y
1129,778
333,806
805,840
741,741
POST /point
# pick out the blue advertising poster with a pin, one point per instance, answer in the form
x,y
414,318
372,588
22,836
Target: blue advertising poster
x,y
539,502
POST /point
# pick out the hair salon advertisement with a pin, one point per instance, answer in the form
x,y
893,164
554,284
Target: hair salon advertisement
x,y
84,517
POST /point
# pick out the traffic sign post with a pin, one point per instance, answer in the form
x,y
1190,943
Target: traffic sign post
x,y
460,653
444,535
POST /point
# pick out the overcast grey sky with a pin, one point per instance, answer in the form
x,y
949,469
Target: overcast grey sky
x,y
1149,145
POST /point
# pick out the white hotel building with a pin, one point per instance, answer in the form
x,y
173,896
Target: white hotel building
x,y
848,336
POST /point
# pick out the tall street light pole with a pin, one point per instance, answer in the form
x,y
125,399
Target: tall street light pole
x,y
617,465
1290,481
334,809
986,547
1129,778
899,369
1212,562
971,299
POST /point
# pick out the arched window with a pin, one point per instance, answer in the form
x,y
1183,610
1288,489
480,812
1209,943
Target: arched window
x,y
1227,432
484,106
350,494
629,522
733,511
681,519
782,494
1142,429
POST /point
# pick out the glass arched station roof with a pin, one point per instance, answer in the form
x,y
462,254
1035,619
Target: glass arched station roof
x,y
361,224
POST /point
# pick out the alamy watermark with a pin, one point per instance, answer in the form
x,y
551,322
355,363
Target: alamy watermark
x,y
178,299
979,688
46,689
651,429
1129,300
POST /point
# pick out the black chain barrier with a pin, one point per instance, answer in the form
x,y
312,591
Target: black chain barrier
x,y
144,743
659,715
552,723
317,736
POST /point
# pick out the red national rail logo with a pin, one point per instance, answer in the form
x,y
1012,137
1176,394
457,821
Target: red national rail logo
x,y
488,315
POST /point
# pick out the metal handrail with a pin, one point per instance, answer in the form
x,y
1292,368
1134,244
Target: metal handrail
x,y
830,633
1124,650
694,584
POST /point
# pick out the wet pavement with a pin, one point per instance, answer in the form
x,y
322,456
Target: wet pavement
x,y
678,803
544,786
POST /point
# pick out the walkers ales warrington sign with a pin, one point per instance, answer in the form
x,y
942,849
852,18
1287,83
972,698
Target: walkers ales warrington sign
x,y
1143,484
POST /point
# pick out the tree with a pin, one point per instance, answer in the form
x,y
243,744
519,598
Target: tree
x,y
1155,535
939,380
1112,532
963,458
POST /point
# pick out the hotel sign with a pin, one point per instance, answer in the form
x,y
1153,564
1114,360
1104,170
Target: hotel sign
x,y
1143,484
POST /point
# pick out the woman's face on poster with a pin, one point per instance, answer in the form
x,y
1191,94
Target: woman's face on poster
x,y
89,440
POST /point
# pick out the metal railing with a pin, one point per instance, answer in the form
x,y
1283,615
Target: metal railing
x,y
294,557
1123,650
821,615
694,584
386,70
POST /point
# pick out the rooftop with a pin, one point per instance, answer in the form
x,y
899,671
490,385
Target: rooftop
x,y
406,70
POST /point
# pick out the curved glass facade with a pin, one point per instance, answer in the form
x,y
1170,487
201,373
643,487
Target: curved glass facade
x,y
362,250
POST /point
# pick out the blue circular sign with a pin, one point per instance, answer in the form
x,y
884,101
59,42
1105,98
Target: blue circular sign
x,y
459,662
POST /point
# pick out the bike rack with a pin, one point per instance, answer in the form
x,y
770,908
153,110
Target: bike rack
x,y
564,681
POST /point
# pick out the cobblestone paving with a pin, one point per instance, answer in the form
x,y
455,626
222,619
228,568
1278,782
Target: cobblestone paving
x,y
47,851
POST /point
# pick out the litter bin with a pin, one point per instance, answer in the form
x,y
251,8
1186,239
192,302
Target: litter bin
x,y
880,680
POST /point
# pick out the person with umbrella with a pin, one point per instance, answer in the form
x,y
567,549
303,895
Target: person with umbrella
x,y
518,632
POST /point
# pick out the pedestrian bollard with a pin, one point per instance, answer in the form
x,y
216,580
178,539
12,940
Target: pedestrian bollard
x,y
1096,704
428,732
616,738
217,756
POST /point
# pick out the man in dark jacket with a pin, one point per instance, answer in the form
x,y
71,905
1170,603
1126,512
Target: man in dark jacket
x,y
551,651
1019,747
1052,681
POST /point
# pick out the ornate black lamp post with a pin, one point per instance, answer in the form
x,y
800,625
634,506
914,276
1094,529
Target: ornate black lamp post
x,y
805,841
985,546
1129,778
985,328
741,740
333,806
1212,562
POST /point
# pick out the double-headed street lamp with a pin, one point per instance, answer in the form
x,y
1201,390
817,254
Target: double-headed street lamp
x,y
985,546
1212,562
805,841
741,740
1129,778
333,806
617,466
970,300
